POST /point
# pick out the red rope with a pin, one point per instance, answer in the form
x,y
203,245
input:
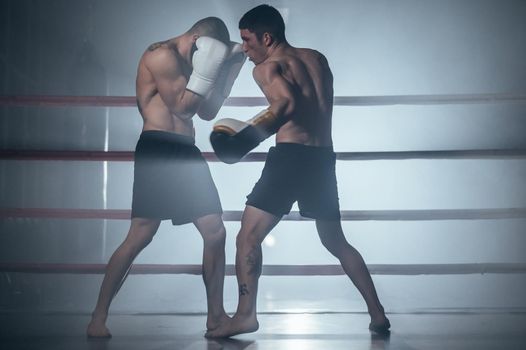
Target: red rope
x,y
116,156
273,270
126,156
235,215
103,101
130,101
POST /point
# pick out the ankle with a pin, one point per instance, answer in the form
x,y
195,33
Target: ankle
x,y
216,315
377,312
246,315
99,315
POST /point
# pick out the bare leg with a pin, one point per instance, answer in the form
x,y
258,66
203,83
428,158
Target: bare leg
x,y
213,232
140,234
255,225
332,237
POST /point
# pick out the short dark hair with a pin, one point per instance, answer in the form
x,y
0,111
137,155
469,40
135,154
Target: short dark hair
x,y
264,19
213,27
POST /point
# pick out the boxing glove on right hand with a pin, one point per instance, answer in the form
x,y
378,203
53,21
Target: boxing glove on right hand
x,y
206,62
232,139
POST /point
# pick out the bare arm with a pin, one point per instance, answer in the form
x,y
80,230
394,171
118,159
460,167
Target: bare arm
x,y
171,83
278,91
211,106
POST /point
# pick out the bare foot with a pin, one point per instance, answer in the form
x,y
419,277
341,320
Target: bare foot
x,y
379,322
97,328
234,326
381,327
230,343
215,322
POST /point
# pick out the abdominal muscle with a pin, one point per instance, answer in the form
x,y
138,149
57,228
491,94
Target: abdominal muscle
x,y
292,132
157,117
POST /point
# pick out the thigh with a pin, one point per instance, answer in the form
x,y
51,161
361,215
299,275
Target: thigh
x,y
318,196
275,191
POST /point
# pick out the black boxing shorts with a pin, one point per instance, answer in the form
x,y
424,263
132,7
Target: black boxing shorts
x,y
295,172
172,179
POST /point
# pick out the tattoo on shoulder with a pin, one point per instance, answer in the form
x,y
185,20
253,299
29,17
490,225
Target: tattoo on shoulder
x,y
155,46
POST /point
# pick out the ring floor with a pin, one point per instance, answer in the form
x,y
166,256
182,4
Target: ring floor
x,y
303,331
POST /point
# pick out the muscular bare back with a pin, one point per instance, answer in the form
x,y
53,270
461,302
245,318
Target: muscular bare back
x,y
162,76
302,78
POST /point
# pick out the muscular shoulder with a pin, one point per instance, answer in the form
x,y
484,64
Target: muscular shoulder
x,y
314,56
264,72
160,55
157,45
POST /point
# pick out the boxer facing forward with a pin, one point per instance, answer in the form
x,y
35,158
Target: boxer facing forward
x,y
177,78
298,85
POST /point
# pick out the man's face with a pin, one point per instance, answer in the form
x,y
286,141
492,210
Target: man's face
x,y
254,48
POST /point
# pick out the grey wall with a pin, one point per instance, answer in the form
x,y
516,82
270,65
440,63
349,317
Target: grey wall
x,y
374,48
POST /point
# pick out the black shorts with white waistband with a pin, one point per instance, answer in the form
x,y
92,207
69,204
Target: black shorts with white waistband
x,y
295,172
172,179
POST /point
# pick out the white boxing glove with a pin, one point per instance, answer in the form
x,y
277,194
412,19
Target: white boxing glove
x,y
230,70
224,82
206,62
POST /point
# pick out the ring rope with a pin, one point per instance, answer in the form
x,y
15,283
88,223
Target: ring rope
x,y
235,215
130,101
275,270
125,156
281,270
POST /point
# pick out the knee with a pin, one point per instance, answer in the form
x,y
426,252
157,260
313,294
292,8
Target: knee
x,y
215,235
247,238
139,242
140,235
332,237
134,246
335,244
330,245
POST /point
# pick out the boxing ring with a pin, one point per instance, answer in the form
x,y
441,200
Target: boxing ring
x,y
274,270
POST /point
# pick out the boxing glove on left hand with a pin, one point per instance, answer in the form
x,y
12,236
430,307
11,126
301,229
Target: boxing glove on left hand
x,y
206,62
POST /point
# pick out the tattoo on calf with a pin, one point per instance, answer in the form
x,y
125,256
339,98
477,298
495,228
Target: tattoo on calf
x,y
243,290
253,260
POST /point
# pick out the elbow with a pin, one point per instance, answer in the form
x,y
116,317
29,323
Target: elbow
x,y
208,111
206,116
210,108
185,116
